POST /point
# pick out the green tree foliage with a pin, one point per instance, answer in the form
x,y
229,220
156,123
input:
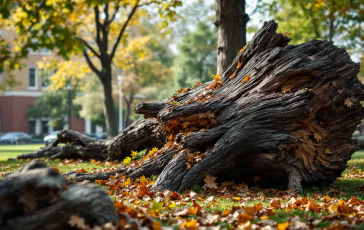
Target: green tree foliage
x,y
341,21
53,104
197,58
92,28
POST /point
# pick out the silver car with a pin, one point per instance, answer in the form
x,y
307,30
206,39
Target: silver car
x,y
51,137
15,138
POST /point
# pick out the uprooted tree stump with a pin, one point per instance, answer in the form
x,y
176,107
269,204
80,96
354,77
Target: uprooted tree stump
x,y
38,197
280,112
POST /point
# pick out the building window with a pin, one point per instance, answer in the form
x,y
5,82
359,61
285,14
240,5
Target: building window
x,y
32,78
46,77
45,127
31,124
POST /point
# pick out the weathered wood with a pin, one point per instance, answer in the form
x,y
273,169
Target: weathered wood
x,y
38,197
142,134
281,113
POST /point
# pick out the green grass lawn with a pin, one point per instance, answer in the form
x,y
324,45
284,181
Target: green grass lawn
x,y
12,151
343,188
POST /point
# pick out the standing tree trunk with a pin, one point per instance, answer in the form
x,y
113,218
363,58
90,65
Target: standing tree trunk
x,y
128,103
109,107
280,112
231,21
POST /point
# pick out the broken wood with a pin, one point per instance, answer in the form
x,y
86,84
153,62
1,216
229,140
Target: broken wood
x,y
38,197
142,134
281,113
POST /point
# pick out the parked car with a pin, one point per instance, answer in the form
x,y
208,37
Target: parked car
x,y
15,138
97,135
359,137
51,137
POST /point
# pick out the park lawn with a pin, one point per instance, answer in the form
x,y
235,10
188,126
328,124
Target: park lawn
x,y
12,151
342,189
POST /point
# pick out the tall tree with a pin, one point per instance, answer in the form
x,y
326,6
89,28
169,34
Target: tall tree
x,y
197,58
72,27
231,21
333,20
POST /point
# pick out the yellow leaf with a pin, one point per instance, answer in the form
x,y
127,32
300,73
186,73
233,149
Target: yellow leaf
x,y
236,198
127,182
134,153
283,226
127,160
142,179
189,225
157,206
173,205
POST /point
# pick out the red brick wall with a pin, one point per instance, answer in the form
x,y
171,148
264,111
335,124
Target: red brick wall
x,y
14,113
78,124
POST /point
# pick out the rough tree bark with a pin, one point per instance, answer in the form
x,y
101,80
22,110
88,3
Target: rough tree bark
x,y
282,112
231,21
38,197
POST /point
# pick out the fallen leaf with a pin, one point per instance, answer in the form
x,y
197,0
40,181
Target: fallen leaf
x,y
348,102
246,79
240,64
78,222
210,182
317,136
283,226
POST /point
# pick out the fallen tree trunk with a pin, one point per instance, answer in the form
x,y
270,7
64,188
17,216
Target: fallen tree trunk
x,y
281,113
37,197
140,135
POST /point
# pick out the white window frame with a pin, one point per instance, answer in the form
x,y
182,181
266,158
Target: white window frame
x,y
36,78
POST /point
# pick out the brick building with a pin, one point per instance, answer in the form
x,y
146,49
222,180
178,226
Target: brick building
x,y
14,103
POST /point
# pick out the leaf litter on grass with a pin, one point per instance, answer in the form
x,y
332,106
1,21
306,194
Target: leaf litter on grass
x,y
224,205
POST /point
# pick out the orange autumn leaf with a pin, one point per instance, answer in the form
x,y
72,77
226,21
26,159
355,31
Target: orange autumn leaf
x,y
216,77
242,49
198,83
287,34
246,79
240,64
189,225
232,75
283,226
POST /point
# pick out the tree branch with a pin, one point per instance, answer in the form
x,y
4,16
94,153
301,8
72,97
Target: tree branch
x,y
89,47
98,25
105,28
123,29
114,14
90,64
